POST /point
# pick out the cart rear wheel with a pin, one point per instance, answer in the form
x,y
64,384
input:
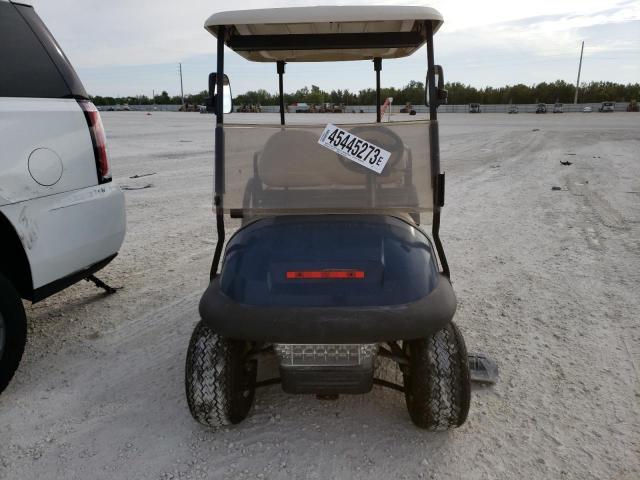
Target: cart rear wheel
x,y
13,331
219,381
437,385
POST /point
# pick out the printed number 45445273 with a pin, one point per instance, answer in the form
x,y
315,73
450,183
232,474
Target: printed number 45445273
x,y
353,145
354,148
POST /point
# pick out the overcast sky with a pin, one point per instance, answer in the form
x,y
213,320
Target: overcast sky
x,y
127,47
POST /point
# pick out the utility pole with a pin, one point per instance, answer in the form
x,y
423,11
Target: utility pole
x,y
182,91
575,99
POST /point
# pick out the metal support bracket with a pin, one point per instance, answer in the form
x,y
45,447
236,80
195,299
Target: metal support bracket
x,y
440,190
100,284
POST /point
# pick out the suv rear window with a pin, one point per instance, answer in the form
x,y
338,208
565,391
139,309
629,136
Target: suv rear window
x,y
26,67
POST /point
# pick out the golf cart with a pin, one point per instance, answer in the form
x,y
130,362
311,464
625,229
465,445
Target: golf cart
x,y
541,108
607,107
474,108
330,267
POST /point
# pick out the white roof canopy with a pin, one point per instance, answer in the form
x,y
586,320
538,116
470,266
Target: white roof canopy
x,y
327,33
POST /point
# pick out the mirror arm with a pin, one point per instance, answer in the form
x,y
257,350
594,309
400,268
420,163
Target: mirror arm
x,y
442,93
439,95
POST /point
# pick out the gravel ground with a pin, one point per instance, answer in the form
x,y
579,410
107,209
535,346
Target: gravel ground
x,y
547,282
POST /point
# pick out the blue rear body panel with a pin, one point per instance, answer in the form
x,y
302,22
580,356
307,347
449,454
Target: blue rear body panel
x,y
397,258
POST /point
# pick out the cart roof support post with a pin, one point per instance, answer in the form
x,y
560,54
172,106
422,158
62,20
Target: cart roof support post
x,y
280,66
371,184
219,152
377,66
434,142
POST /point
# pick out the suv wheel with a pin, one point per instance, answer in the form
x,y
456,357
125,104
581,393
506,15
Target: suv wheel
x,y
219,380
437,384
13,331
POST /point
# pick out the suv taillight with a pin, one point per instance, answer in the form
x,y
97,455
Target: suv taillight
x,y
98,139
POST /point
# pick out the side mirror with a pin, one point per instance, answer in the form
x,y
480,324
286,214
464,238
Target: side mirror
x,y
441,94
227,100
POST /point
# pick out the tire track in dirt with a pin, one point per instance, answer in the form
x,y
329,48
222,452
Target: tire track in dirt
x,y
543,342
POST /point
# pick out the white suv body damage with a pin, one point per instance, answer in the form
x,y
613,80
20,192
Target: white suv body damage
x,y
68,232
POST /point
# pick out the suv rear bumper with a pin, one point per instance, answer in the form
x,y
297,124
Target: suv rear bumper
x,y
70,232
368,324
62,283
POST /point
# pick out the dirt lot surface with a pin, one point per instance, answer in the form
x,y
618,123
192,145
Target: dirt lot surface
x,y
548,283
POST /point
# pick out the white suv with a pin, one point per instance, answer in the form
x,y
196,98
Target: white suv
x,y
61,217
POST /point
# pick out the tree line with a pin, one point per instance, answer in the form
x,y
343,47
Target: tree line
x,y
413,92
162,99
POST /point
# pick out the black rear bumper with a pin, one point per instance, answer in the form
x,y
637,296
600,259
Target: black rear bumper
x,y
367,324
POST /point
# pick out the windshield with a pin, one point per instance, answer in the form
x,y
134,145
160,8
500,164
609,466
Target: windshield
x,y
278,170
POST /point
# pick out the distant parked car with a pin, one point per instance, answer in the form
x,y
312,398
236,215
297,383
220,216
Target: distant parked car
x,y
301,107
61,216
541,108
474,108
513,109
558,108
587,109
408,108
607,107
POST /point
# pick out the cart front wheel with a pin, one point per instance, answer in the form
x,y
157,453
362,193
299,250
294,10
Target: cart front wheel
x,y
219,381
437,385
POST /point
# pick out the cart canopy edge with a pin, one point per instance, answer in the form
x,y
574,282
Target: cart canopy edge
x,y
325,33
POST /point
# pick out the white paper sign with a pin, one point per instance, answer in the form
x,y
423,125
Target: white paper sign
x,y
354,148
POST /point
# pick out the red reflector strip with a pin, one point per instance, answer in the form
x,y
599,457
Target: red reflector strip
x,y
326,274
